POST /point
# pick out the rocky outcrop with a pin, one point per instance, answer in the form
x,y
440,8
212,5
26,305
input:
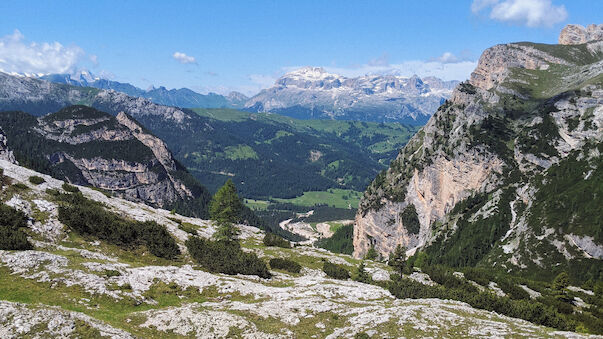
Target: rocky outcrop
x,y
89,147
528,109
578,34
5,153
495,64
159,148
311,92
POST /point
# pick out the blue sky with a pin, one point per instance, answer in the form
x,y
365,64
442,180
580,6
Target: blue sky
x,y
244,45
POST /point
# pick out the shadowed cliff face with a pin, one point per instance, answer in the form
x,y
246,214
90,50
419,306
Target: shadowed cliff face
x,y
486,157
89,147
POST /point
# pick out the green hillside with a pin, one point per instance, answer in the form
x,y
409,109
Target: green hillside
x,y
272,156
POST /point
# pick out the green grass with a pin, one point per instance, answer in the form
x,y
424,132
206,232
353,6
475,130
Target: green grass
x,y
336,197
231,115
240,152
261,205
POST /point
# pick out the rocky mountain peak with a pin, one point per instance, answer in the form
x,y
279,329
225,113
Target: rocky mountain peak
x,y
578,34
529,112
312,92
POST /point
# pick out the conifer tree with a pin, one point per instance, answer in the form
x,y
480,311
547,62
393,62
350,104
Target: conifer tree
x,y
361,274
397,259
225,208
371,254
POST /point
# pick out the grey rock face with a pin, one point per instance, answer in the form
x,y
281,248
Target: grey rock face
x,y
5,153
112,153
311,92
459,154
578,34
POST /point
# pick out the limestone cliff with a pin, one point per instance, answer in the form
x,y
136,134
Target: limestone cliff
x,y
89,147
469,188
577,34
5,153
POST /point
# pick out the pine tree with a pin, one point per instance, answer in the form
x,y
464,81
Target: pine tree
x,y
397,259
225,208
371,254
561,281
361,274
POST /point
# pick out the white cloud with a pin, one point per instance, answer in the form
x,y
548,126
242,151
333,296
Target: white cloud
x,y
183,58
531,13
446,58
445,67
19,56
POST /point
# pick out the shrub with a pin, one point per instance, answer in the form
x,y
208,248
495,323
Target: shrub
x,y
188,228
335,271
456,289
372,254
224,256
70,188
271,239
88,217
12,223
285,265
112,273
20,186
36,180
361,275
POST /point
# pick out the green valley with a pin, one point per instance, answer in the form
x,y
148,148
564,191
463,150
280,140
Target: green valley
x,y
270,156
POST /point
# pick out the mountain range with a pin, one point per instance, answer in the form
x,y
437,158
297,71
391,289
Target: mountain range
x,y
266,154
182,97
306,93
313,93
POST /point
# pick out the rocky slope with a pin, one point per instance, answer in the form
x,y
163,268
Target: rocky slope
x,y
313,93
507,173
5,152
74,286
182,97
89,147
39,97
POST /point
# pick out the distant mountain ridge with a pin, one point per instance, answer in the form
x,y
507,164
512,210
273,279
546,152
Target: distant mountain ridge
x,y
182,97
313,93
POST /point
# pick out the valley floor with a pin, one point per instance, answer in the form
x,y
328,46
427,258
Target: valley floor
x,y
70,286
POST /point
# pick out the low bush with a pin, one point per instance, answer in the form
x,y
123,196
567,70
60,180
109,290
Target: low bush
x,y
188,228
224,256
271,239
88,217
20,186
532,311
335,271
12,223
285,265
36,180
70,188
